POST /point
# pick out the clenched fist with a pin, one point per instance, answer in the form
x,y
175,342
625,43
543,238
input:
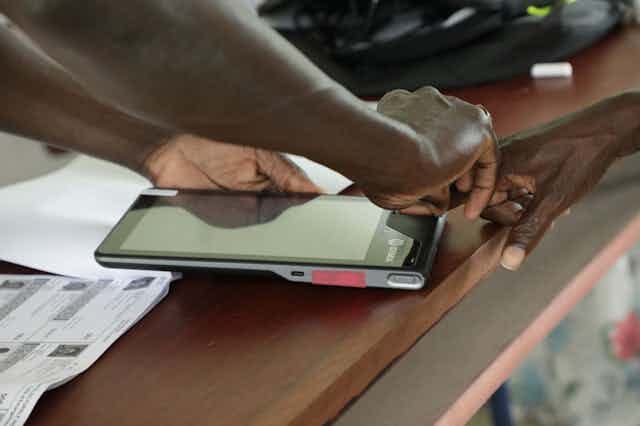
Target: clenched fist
x,y
454,143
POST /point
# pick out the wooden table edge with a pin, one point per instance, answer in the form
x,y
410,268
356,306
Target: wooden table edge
x,y
336,394
515,353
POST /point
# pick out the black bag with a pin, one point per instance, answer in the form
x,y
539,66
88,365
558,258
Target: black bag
x,y
372,47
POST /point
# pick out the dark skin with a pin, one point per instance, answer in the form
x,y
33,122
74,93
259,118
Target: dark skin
x,y
546,169
562,161
42,102
479,181
204,78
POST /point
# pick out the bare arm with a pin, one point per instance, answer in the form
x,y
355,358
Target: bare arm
x,y
629,119
213,68
562,161
207,67
41,102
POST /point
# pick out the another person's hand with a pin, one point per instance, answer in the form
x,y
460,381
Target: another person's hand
x,y
188,161
562,161
455,145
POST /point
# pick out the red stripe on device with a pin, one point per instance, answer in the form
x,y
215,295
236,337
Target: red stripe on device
x,y
339,278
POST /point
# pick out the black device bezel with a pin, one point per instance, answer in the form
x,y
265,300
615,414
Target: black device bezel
x,y
424,230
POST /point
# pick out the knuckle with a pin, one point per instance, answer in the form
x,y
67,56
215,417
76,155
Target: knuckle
x,y
389,201
428,91
526,232
482,116
394,96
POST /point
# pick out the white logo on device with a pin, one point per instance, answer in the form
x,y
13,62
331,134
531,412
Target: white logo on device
x,y
394,244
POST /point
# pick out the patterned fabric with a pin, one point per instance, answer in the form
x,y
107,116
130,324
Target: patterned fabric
x,y
587,371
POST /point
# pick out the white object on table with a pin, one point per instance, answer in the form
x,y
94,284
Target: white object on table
x,y
552,70
55,222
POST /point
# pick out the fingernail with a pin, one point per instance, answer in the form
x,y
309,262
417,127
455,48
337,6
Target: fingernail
x,y
516,207
512,258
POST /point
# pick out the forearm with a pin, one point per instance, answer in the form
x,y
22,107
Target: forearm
x,y
211,68
41,102
611,124
629,118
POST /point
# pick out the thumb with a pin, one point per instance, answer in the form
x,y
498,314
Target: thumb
x,y
285,175
352,190
527,233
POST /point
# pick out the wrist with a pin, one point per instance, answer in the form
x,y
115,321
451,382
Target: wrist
x,y
358,141
122,139
628,122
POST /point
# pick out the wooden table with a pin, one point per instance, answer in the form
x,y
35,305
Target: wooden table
x,y
232,350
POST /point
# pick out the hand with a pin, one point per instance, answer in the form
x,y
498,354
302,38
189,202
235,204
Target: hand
x,y
191,162
562,161
455,145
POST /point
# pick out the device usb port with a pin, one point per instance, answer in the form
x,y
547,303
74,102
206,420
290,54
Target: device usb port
x,y
297,273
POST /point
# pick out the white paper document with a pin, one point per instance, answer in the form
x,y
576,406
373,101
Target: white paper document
x,y
54,223
53,328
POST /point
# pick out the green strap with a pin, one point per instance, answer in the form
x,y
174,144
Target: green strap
x,y
545,10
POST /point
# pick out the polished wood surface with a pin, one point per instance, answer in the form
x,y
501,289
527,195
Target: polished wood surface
x,y
227,350
233,350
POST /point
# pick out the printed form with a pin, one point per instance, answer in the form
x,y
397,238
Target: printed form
x,y
53,328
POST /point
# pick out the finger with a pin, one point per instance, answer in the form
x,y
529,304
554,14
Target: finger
x,y
435,203
506,214
484,183
458,198
527,233
498,197
465,182
423,208
513,182
287,176
524,200
517,193
184,176
439,198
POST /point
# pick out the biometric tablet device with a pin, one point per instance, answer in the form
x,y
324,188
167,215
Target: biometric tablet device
x,y
319,239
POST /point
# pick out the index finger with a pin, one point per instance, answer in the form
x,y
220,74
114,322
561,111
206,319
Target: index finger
x,y
485,178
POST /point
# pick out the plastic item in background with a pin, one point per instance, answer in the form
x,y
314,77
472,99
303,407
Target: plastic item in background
x,y
552,70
